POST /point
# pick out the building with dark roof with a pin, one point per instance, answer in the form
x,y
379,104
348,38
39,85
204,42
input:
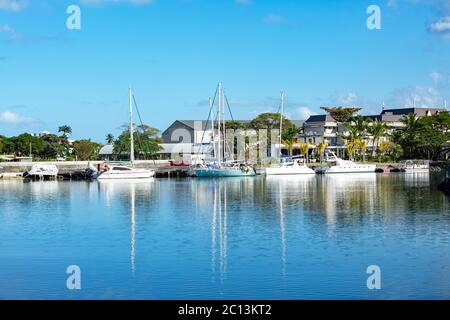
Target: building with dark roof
x,y
317,128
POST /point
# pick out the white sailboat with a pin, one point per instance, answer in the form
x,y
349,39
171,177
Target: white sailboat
x,y
338,165
124,172
221,168
291,166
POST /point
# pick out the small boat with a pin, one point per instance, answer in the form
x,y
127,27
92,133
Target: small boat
x,y
338,165
42,171
215,170
124,172
291,167
416,166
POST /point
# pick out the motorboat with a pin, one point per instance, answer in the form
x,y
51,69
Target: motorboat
x,y
124,172
289,167
416,166
42,170
212,170
337,165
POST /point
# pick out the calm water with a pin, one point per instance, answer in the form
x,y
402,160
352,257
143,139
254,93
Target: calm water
x,y
276,237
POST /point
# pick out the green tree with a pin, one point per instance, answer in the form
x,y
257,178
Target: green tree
x,y
54,146
407,137
377,130
86,150
146,140
23,142
304,150
321,148
433,132
362,146
66,130
341,114
109,138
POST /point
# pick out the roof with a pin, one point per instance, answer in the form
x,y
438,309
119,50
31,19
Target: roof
x,y
187,148
107,149
320,118
416,111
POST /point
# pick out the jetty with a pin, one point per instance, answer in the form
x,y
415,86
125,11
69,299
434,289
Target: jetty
x,y
82,170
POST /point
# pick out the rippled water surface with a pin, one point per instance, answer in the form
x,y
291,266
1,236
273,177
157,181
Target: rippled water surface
x,y
252,238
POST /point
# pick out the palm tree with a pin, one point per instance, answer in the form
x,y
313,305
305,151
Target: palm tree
x,y
322,147
377,131
289,144
66,130
362,146
109,138
304,150
409,132
350,147
385,147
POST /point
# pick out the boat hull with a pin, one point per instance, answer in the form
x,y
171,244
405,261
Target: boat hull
x,y
126,175
353,169
288,171
217,173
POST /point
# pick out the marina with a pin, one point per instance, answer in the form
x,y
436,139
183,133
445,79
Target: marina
x,y
305,236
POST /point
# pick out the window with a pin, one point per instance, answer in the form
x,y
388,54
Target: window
x,y
121,169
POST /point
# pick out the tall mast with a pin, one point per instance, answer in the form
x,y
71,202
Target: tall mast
x,y
223,123
218,121
211,108
281,120
131,129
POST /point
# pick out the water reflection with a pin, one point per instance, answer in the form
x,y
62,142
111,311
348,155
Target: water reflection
x,y
111,189
273,238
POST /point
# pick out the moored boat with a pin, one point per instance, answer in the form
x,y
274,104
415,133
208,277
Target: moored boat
x,y
337,165
124,172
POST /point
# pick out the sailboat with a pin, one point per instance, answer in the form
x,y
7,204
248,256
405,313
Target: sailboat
x,y
219,167
125,172
291,166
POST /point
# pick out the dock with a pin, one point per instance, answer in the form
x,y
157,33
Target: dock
x,y
80,170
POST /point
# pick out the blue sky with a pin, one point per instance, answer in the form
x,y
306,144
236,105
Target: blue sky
x,y
173,53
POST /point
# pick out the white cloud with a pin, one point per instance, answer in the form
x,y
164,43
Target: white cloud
x,y
441,26
421,96
13,5
274,19
347,99
8,117
13,34
304,113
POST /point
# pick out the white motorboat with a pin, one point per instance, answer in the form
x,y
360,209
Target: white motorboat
x,y
289,168
337,165
124,172
416,166
42,170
